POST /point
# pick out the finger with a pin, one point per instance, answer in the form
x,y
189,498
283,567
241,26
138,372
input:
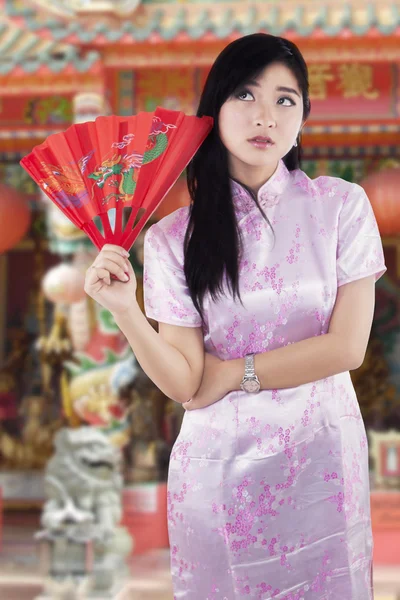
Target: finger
x,y
123,263
95,278
118,249
103,275
91,276
111,266
129,269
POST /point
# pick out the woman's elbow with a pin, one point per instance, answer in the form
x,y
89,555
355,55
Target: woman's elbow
x,y
356,359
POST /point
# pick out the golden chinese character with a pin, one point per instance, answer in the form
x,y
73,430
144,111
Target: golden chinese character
x,y
356,80
319,76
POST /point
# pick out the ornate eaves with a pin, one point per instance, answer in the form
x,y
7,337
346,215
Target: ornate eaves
x,y
210,21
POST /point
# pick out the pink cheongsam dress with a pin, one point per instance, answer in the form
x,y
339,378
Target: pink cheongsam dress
x,y
268,494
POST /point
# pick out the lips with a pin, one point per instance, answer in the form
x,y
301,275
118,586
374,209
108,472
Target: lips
x,y
261,140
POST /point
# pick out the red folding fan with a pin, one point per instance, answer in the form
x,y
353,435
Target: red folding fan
x,y
108,176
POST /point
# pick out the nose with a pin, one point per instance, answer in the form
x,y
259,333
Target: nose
x,y
265,117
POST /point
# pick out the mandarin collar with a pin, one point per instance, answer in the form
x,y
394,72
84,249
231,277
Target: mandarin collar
x,y
268,194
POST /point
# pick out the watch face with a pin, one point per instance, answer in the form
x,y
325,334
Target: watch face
x,y
251,386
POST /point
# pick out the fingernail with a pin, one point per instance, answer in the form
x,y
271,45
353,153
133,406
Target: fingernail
x,y
126,253
126,277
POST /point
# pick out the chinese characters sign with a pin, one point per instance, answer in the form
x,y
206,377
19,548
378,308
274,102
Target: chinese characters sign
x,y
352,90
340,92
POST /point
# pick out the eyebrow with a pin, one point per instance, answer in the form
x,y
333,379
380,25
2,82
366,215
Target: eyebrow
x,y
280,88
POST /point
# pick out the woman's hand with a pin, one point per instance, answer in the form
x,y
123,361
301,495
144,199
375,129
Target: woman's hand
x,y
213,385
115,296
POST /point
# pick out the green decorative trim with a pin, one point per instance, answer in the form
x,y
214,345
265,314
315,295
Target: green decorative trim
x,y
106,321
347,169
20,44
19,11
56,65
262,15
126,83
85,363
12,39
67,247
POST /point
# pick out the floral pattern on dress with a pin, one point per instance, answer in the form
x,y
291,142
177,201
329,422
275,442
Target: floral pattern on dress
x,y
268,494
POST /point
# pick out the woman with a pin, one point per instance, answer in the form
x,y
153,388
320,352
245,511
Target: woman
x,y
268,479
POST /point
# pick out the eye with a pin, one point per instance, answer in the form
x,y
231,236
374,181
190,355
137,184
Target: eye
x,y
244,93
292,103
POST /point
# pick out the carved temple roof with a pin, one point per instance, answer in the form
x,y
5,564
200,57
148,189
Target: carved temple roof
x,y
51,34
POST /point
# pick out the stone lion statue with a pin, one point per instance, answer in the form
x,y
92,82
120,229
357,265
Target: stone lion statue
x,y
83,484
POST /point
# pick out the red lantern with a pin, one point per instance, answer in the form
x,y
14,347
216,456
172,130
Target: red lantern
x,y
382,189
177,197
15,217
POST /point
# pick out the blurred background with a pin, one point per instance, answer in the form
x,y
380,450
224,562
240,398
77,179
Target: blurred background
x,y
85,437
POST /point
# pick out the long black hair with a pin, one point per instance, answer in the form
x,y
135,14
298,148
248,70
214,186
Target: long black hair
x,y
213,244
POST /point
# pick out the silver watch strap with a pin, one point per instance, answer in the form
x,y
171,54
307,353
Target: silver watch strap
x,y
249,370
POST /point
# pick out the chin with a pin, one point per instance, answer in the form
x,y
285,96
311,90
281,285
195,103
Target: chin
x,y
261,162
258,158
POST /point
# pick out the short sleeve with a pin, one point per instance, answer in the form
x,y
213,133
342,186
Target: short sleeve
x,y
166,295
359,250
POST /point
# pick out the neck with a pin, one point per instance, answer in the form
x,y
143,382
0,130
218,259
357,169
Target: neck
x,y
253,177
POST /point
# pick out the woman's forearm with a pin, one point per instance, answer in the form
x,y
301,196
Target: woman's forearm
x,y
162,363
296,364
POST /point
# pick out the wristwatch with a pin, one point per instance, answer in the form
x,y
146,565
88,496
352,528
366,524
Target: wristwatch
x,y
250,382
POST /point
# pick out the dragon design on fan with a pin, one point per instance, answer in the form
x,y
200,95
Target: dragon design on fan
x,y
115,170
66,184
128,165
108,176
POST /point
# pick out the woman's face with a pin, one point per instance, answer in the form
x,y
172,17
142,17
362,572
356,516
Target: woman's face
x,y
261,108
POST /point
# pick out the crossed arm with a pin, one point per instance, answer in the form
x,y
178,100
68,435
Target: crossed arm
x,y
341,349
